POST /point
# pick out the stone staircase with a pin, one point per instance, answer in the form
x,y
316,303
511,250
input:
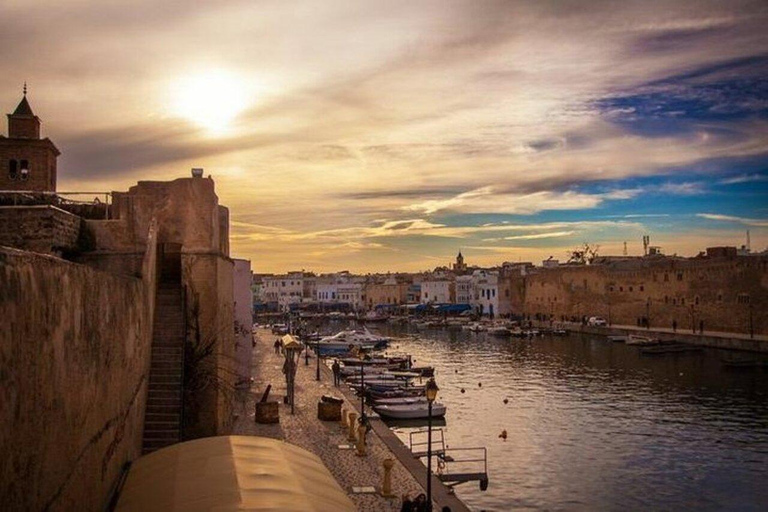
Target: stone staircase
x,y
162,422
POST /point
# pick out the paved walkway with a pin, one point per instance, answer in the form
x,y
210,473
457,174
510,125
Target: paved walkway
x,y
321,438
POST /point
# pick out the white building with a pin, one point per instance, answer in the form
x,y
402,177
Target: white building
x,y
243,304
287,289
340,289
465,290
438,291
486,288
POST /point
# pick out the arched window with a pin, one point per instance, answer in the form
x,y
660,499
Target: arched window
x,y
24,170
13,169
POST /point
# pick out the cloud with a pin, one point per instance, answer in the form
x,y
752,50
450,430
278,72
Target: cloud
x,y
683,189
760,223
743,178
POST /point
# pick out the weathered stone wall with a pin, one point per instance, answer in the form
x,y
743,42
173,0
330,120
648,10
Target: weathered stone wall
x,y
74,362
243,296
726,294
43,229
40,155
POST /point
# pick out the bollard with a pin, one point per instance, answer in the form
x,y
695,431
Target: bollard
x,y
352,420
360,445
386,486
343,421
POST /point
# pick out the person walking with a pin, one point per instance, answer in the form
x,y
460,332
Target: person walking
x,y
674,325
336,367
276,345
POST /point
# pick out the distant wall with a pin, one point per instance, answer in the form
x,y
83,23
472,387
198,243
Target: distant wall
x,y
722,294
74,361
45,228
243,317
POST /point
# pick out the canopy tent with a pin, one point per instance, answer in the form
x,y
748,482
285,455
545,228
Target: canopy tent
x,y
290,342
231,473
453,308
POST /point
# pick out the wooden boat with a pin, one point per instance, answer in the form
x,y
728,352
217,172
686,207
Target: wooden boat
x,y
405,400
410,411
402,392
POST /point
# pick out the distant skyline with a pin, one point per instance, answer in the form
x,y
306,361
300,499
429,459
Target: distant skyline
x,y
375,136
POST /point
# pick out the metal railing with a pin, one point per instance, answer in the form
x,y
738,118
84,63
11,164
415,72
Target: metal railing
x,y
59,199
420,448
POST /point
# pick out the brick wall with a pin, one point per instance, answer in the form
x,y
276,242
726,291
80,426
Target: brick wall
x,y
44,229
40,155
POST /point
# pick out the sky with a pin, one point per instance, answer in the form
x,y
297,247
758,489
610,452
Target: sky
x,y
387,136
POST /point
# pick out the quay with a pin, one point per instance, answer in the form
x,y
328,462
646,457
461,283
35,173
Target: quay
x,y
324,438
713,339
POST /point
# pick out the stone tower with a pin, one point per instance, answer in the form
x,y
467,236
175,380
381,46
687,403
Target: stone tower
x,y
27,162
459,266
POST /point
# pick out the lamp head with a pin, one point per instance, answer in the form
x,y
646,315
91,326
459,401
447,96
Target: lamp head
x,y
431,389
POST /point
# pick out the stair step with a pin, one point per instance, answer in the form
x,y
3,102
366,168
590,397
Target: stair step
x,y
164,393
165,386
162,418
160,434
161,364
164,409
164,379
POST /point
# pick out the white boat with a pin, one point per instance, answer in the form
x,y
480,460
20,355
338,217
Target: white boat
x,y
477,327
499,331
404,400
410,411
342,340
634,339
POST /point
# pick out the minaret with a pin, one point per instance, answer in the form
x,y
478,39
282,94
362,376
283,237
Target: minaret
x,y
27,162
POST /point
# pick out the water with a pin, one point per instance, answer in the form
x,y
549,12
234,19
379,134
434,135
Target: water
x,y
593,425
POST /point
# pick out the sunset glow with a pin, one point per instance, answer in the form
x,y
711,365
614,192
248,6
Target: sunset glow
x,y
211,99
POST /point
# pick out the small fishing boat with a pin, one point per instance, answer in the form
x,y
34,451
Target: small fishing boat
x,y
500,331
404,400
395,393
410,411
641,341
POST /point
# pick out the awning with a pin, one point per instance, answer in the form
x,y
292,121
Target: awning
x,y
231,473
291,343
453,308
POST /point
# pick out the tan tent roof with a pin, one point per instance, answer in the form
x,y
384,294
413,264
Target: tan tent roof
x,y
290,342
228,473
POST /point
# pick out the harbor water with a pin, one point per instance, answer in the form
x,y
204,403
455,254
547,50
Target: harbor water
x,y
595,425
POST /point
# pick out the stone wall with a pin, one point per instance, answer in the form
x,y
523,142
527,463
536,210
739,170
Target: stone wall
x,y
74,362
43,229
722,294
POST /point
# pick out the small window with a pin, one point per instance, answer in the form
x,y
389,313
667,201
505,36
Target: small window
x,y
682,301
719,297
621,288
13,169
696,300
642,288
679,276
630,288
666,299
24,170
666,277
743,298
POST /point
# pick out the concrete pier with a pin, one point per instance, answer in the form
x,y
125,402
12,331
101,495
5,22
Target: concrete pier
x,y
408,475
724,340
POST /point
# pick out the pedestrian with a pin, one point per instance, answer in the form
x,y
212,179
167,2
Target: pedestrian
x,y
336,367
701,326
674,325
277,346
407,505
420,504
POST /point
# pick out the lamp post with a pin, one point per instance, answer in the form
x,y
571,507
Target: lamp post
x,y
431,390
648,313
361,356
317,355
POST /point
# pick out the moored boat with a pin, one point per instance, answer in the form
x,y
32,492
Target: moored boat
x,y
410,411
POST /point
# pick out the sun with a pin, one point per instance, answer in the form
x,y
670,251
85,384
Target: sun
x,y
211,99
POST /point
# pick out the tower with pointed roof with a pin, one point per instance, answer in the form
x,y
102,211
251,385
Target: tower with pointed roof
x,y
459,267
27,162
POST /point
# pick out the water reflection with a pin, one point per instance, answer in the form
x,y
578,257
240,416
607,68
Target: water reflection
x,y
596,425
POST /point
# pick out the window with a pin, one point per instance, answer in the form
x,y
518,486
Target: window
x,y
719,297
621,288
743,298
666,277
642,288
630,288
24,170
696,300
13,169
506,292
682,301
679,276
610,288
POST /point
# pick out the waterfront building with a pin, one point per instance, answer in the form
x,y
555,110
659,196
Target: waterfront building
x,y
390,292
287,289
486,292
438,290
465,290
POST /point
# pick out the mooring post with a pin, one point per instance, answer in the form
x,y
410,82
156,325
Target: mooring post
x,y
386,486
351,419
361,452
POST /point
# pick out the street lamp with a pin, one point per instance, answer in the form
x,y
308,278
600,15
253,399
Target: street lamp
x,y
317,355
361,356
648,313
430,390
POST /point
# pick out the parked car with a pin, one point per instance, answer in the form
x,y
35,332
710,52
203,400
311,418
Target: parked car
x,y
596,321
